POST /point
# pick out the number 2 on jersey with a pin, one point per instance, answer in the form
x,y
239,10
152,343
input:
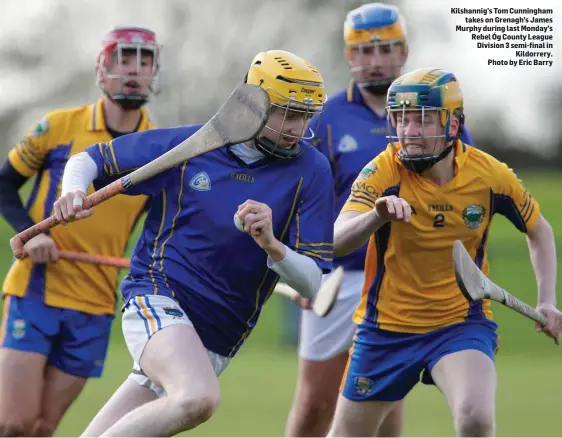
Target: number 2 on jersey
x,y
439,220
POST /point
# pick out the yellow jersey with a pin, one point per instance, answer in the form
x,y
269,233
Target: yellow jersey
x,y
45,151
410,284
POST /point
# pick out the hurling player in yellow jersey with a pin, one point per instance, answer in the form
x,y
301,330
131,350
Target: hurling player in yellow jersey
x,y
424,191
57,313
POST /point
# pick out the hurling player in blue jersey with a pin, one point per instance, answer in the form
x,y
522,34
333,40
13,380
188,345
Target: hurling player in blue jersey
x,y
192,272
351,133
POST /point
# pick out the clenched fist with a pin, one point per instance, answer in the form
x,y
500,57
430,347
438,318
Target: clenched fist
x,y
392,208
41,249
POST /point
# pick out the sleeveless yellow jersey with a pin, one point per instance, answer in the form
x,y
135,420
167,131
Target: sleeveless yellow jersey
x,y
409,279
45,151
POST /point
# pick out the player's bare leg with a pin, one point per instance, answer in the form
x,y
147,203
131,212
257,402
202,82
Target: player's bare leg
x,y
21,385
59,392
363,418
316,397
129,396
468,381
393,423
175,359
324,345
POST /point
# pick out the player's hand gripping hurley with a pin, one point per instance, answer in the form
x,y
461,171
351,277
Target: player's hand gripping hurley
x,y
476,286
240,119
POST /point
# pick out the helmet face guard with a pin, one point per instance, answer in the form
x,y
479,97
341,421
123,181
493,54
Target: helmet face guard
x,y
296,92
419,153
375,65
303,112
422,106
119,44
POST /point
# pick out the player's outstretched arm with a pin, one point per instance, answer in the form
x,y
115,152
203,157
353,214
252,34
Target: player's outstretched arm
x,y
542,250
353,228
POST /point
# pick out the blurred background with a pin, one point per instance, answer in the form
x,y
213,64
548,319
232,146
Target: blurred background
x,y
47,58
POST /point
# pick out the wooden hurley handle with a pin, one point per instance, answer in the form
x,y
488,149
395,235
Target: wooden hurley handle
x,y
523,308
240,118
19,240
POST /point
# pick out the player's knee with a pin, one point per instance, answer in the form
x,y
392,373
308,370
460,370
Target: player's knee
x,y
17,423
8,428
474,419
44,428
392,424
206,407
317,408
197,410
317,398
310,419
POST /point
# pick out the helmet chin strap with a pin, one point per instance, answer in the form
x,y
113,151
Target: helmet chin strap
x,y
376,88
421,164
272,149
127,102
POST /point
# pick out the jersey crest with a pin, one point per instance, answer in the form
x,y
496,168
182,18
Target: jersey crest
x,y
473,215
347,144
200,182
41,128
368,170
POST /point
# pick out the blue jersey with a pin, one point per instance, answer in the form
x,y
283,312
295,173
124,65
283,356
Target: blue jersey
x,y
190,249
350,135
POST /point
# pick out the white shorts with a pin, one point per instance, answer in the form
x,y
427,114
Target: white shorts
x,y
321,339
145,315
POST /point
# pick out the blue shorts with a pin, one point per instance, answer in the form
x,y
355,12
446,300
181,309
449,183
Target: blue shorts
x,y
385,366
74,342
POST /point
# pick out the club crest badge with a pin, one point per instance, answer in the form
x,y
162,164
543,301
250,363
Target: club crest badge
x,y
473,215
347,144
363,385
368,170
19,327
200,182
41,128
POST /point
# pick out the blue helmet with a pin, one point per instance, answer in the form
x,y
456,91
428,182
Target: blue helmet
x,y
376,48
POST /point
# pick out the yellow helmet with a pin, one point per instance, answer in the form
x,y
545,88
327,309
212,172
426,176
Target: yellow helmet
x,y
288,79
293,85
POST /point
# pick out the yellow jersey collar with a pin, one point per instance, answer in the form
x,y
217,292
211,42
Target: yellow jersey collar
x,y
353,94
95,120
461,153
